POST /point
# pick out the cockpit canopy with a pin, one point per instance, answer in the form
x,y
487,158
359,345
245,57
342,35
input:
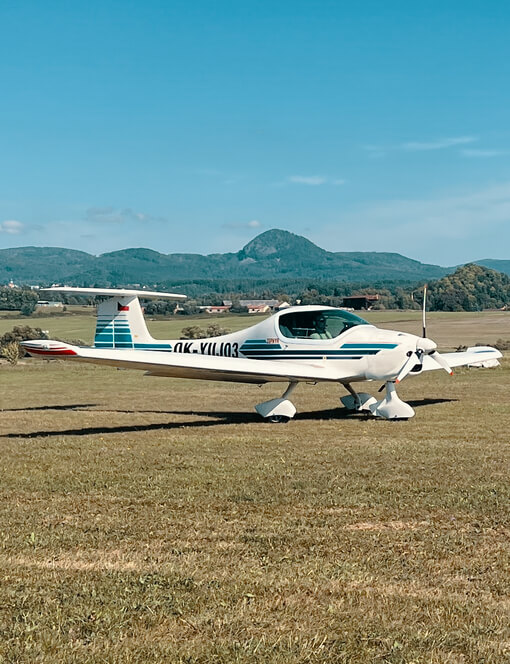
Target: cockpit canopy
x,y
317,324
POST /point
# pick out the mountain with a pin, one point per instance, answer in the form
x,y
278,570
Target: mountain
x,y
41,264
274,254
494,264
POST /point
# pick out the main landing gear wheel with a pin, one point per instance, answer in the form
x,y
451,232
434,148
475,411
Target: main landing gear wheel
x,y
278,410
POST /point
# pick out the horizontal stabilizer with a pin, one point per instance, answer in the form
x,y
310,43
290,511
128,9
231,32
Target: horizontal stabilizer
x,y
115,292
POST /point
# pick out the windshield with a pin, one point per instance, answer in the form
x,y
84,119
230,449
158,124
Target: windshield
x,y
322,324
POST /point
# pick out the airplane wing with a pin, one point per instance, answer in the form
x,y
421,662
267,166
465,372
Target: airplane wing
x,y
475,355
184,365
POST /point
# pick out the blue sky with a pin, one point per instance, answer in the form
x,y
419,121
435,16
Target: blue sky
x,y
193,126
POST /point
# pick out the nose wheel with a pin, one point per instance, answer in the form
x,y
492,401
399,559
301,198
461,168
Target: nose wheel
x,y
391,407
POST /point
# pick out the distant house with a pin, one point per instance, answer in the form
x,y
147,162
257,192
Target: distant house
x,y
258,309
256,306
360,301
46,304
215,309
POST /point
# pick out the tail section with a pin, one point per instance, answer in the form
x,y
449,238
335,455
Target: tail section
x,y
120,324
120,321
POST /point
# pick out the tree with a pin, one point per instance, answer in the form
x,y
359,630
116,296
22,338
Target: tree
x,y
215,330
188,309
27,309
15,298
470,288
197,332
10,342
193,332
11,352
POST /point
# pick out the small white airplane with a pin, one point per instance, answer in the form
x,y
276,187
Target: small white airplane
x,y
299,344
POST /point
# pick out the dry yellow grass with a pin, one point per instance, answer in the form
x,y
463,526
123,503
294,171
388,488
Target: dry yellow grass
x,y
155,520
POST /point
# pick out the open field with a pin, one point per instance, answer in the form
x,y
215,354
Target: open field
x,y
156,520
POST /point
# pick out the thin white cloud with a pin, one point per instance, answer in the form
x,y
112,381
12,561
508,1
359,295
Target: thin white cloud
x,y
438,144
314,180
310,180
376,151
483,154
12,227
248,225
439,230
450,216
110,215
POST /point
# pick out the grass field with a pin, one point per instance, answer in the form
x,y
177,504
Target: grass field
x,y
156,520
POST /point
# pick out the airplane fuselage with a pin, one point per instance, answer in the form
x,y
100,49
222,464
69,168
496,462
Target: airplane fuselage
x,y
358,349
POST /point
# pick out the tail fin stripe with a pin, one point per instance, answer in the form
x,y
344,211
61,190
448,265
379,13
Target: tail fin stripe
x,y
119,321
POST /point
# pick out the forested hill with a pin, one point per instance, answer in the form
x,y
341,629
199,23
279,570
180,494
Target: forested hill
x,y
470,288
275,254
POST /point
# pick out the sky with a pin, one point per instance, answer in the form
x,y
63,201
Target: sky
x,y
194,126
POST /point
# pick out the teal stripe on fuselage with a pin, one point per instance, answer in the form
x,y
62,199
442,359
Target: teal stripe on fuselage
x,y
284,356
261,347
363,346
153,346
310,353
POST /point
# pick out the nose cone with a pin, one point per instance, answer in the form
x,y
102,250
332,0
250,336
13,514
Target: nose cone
x,y
426,345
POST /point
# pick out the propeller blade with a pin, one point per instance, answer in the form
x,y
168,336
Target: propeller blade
x,y
424,312
413,359
442,362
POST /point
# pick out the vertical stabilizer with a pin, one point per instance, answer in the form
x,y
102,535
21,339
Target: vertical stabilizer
x,y
120,324
120,321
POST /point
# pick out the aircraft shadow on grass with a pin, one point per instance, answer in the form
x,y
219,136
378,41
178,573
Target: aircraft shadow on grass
x,y
71,406
217,419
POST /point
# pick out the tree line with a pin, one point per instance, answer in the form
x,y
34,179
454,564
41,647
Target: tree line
x,y
470,288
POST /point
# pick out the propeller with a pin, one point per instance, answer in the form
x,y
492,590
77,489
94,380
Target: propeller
x,y
424,312
424,346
